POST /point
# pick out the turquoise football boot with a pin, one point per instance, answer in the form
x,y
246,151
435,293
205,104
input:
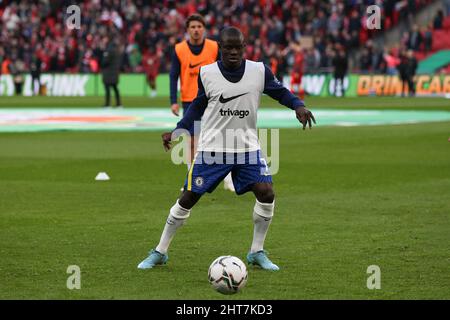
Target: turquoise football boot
x,y
260,258
154,258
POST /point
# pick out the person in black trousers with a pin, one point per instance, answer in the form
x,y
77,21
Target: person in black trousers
x,y
111,61
401,67
411,68
340,64
35,70
407,70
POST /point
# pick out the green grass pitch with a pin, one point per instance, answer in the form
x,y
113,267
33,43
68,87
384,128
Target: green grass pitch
x,y
346,198
371,103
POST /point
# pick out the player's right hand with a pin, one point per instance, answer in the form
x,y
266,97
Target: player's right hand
x,y
175,109
167,138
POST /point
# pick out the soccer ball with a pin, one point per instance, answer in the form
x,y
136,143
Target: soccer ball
x,y
227,274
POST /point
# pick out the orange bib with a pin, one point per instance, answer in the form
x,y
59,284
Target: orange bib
x,y
190,65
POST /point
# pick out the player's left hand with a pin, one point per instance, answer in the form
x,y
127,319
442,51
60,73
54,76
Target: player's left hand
x,y
167,138
304,116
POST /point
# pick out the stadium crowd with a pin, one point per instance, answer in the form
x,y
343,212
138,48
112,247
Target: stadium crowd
x,y
34,31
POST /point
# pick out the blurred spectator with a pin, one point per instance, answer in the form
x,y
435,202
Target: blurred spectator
x,y
150,63
320,22
411,69
365,61
134,58
438,20
334,23
392,62
407,70
354,24
378,62
10,18
5,65
35,70
312,60
326,59
112,57
89,63
411,10
415,38
340,65
353,45
274,64
404,40
297,72
428,38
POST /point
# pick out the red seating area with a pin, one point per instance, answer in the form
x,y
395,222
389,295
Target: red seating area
x,y
441,39
446,23
420,55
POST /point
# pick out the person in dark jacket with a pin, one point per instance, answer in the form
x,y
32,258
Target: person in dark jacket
x,y
340,64
411,68
401,67
438,20
415,38
407,70
35,70
111,61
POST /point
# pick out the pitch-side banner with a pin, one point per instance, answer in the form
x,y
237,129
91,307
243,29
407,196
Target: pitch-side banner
x,y
323,85
372,85
73,85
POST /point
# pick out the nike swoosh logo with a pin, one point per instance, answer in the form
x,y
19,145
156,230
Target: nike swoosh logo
x,y
195,65
225,100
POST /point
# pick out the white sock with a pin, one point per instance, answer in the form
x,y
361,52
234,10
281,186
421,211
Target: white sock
x,y
176,219
262,217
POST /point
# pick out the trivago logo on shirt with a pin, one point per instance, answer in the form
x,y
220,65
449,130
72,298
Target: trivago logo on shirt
x,y
234,113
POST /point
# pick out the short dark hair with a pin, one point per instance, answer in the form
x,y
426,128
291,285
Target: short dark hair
x,y
195,17
230,32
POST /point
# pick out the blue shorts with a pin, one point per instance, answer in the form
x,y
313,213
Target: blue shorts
x,y
210,168
185,109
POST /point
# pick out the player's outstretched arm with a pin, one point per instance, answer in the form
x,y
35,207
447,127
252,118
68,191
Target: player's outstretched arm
x,y
304,116
275,89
